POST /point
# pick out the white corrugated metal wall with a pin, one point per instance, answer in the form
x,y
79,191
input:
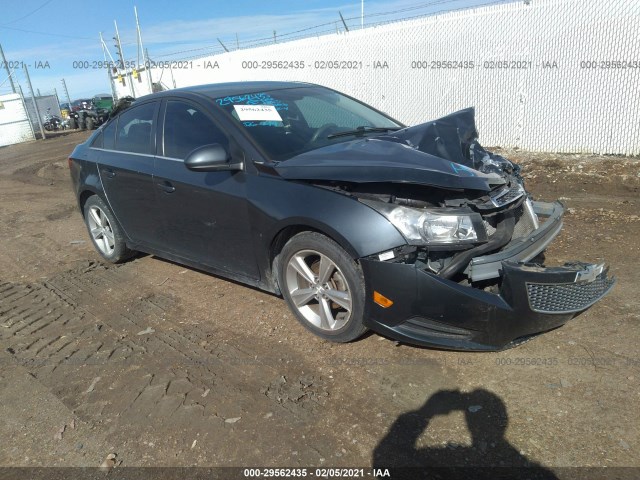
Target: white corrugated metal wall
x,y
15,126
547,75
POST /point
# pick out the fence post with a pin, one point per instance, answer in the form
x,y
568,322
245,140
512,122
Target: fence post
x,y
64,84
35,103
6,65
26,110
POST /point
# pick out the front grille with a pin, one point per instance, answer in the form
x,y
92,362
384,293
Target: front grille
x,y
506,195
567,298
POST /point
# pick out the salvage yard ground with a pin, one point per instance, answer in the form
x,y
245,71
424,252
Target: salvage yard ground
x,y
164,365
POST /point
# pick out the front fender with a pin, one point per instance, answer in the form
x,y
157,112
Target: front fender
x,y
276,204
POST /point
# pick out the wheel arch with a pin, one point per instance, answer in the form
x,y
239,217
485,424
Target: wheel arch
x,y
89,192
84,196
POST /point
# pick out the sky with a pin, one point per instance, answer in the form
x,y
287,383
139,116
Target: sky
x,y
56,38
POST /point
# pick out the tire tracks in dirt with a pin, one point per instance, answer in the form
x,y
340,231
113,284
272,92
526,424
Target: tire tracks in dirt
x,y
110,355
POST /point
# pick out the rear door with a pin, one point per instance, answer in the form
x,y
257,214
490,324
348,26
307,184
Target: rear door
x,y
205,214
126,169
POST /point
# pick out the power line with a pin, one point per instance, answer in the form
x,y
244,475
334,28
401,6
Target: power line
x,y
269,39
30,13
290,36
45,33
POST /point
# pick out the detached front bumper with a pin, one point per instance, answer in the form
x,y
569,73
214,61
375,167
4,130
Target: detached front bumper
x,y
432,311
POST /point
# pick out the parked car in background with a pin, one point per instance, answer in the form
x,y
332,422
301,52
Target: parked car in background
x,y
81,104
102,104
418,233
89,114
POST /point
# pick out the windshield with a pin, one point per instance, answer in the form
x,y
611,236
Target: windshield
x,y
288,122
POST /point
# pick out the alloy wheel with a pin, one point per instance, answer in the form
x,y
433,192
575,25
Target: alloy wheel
x,y
318,290
101,230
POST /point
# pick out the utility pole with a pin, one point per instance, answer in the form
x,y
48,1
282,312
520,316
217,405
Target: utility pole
x,y
66,92
105,52
121,55
35,104
6,66
144,57
148,63
55,90
118,47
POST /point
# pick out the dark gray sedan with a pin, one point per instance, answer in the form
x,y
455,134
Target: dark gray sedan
x,y
358,221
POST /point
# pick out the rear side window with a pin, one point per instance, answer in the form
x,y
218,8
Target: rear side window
x,y
186,128
97,142
135,127
109,136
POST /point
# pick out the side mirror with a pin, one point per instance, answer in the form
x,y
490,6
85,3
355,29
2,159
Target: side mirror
x,y
210,158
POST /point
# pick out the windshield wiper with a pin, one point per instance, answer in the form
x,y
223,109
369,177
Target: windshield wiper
x,y
362,130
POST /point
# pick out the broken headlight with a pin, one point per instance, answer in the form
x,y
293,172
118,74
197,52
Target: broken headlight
x,y
433,227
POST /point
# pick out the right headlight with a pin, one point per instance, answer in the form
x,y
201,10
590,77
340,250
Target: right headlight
x,y
433,227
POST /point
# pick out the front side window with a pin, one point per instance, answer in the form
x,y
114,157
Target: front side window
x,y
135,127
287,122
186,128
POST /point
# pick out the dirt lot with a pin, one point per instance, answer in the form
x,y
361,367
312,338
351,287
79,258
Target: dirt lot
x,y
166,366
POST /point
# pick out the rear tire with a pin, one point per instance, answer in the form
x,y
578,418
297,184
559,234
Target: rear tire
x,y
89,123
105,233
323,286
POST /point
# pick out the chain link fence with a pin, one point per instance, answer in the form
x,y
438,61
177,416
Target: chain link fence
x,y
544,75
48,105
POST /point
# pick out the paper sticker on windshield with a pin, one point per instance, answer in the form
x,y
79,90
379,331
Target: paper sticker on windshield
x,y
248,113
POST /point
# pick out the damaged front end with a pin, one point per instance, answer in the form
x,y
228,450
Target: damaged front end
x,y
471,275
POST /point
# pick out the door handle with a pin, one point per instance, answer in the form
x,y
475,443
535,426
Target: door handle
x,y
108,172
166,187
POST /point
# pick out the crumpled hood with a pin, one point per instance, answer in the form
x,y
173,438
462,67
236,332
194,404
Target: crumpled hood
x,y
442,153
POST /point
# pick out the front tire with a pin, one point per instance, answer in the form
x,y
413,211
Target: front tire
x,y
323,286
105,233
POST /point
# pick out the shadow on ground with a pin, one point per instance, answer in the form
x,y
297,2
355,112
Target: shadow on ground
x,y
490,456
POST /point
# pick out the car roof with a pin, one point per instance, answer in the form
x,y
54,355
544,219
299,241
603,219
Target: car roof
x,y
216,90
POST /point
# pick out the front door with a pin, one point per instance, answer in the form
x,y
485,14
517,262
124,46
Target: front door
x,y
205,213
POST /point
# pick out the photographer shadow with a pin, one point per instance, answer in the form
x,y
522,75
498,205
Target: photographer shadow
x,y
490,455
